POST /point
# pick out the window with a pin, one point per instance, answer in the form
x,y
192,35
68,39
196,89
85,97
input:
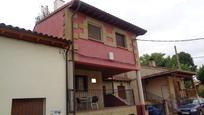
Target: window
x,y
120,40
94,32
81,83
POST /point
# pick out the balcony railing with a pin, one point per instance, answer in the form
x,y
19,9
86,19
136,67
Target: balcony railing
x,y
188,93
93,99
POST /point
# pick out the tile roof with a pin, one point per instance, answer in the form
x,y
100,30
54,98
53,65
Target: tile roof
x,y
31,36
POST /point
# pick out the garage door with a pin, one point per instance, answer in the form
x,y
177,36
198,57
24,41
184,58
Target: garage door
x,y
27,106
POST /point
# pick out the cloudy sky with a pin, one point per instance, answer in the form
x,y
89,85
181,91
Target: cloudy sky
x,y
163,19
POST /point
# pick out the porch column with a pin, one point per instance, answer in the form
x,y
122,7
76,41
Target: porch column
x,y
138,93
140,89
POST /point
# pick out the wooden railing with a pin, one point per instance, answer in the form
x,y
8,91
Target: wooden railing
x,y
188,93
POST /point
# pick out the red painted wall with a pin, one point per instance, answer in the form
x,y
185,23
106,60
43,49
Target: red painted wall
x,y
54,25
90,52
96,53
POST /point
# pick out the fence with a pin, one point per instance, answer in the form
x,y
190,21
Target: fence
x,y
93,99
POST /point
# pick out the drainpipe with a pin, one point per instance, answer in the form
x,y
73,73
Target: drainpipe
x,y
73,57
67,90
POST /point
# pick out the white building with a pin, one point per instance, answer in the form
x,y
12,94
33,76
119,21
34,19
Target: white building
x,y
32,72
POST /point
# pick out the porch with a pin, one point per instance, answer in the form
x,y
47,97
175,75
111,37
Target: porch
x,y
94,91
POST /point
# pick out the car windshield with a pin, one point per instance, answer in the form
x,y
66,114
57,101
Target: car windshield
x,y
191,101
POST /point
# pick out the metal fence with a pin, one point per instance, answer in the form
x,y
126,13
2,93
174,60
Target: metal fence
x,y
93,99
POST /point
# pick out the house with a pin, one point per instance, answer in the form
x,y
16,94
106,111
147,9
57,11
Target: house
x,y
103,46
33,74
161,84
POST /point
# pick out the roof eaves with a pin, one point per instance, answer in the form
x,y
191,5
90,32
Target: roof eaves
x,y
12,29
95,12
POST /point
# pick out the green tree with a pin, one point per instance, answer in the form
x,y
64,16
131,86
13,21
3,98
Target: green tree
x,y
200,74
157,57
144,60
185,59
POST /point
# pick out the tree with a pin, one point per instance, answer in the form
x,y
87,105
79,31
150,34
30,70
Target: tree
x,y
144,60
44,12
157,57
200,74
185,59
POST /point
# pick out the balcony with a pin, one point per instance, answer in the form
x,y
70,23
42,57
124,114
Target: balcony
x,y
100,99
188,93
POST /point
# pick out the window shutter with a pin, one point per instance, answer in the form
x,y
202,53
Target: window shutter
x,y
94,32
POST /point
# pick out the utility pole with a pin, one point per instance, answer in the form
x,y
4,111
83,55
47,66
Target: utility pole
x,y
177,59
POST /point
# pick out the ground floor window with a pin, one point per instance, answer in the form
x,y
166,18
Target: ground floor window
x,y
81,83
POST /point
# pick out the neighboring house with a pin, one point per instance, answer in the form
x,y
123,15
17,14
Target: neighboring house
x,y
104,46
33,74
167,84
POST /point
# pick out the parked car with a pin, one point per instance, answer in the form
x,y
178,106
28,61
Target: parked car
x,y
156,110
192,107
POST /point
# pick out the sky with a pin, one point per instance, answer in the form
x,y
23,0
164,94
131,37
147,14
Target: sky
x,y
163,20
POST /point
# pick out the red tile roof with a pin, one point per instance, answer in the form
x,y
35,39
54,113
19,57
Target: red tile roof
x,y
30,36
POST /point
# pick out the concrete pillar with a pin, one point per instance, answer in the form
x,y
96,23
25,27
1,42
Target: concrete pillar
x,y
136,85
140,89
141,105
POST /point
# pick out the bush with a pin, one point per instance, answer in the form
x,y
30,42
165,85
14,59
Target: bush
x,y
201,94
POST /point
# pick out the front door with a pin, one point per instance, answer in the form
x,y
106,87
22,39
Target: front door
x,y
121,92
27,107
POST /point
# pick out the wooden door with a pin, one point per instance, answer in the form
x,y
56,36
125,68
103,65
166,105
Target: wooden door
x,y
27,107
121,92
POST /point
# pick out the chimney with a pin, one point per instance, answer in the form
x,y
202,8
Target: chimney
x,y
152,62
58,3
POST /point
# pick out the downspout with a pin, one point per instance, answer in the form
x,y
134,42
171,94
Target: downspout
x,y
73,57
67,90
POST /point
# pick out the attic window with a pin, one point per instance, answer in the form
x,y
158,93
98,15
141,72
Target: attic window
x,y
94,32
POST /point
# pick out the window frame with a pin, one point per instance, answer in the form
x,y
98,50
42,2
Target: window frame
x,y
124,38
85,82
97,26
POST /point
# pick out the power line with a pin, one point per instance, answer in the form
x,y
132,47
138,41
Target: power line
x,y
198,57
187,40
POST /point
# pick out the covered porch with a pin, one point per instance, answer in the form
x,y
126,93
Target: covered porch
x,y
171,86
96,90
